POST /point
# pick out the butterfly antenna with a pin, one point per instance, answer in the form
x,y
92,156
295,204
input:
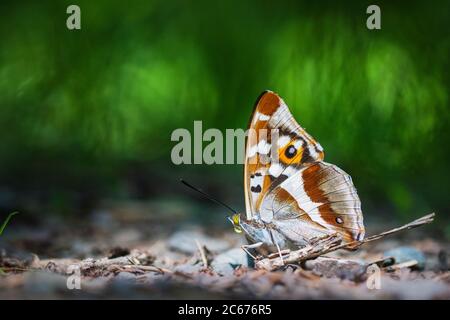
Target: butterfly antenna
x,y
207,196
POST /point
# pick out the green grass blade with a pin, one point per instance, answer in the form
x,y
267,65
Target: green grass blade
x,y
5,223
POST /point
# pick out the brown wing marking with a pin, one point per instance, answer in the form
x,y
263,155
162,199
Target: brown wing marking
x,y
319,183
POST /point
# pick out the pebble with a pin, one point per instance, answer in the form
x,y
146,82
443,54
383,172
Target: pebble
x,y
187,268
184,241
403,254
125,276
226,262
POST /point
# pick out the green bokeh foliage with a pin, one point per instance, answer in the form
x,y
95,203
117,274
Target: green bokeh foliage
x,y
88,103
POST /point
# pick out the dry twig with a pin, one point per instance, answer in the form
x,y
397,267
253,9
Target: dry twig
x,y
406,264
97,266
331,243
201,249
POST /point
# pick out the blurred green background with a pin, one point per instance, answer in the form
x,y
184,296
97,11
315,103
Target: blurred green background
x,y
88,114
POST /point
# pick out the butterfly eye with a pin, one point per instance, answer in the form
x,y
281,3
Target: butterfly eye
x,y
290,152
236,221
339,220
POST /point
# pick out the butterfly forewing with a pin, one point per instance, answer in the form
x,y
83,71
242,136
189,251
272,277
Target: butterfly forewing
x,y
276,147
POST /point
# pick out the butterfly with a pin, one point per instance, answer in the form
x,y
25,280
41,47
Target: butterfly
x,y
291,195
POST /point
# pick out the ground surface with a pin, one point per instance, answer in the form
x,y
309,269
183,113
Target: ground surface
x,y
122,251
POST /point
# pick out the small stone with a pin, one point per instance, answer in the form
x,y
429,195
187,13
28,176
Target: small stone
x,y
226,262
44,284
184,241
125,276
336,268
404,254
187,268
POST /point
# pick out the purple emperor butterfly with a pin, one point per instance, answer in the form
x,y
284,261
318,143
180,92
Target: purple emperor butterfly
x,y
291,195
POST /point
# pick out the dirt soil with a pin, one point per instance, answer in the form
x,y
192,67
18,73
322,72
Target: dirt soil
x,y
122,251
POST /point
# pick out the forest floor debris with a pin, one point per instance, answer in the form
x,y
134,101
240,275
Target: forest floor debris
x,y
132,259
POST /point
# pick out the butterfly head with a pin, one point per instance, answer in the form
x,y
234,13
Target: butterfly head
x,y
251,228
257,232
235,220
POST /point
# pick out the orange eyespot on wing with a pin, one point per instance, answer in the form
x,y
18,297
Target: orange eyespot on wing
x,y
290,155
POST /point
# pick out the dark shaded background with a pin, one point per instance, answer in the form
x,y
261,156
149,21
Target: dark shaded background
x,y
87,115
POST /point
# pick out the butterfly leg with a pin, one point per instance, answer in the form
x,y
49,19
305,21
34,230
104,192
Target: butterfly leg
x,y
276,244
245,247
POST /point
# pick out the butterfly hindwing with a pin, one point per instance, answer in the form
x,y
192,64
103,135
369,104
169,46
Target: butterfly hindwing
x,y
324,195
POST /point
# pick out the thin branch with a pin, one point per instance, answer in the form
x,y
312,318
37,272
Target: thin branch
x,y
331,243
413,224
406,264
202,253
148,268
